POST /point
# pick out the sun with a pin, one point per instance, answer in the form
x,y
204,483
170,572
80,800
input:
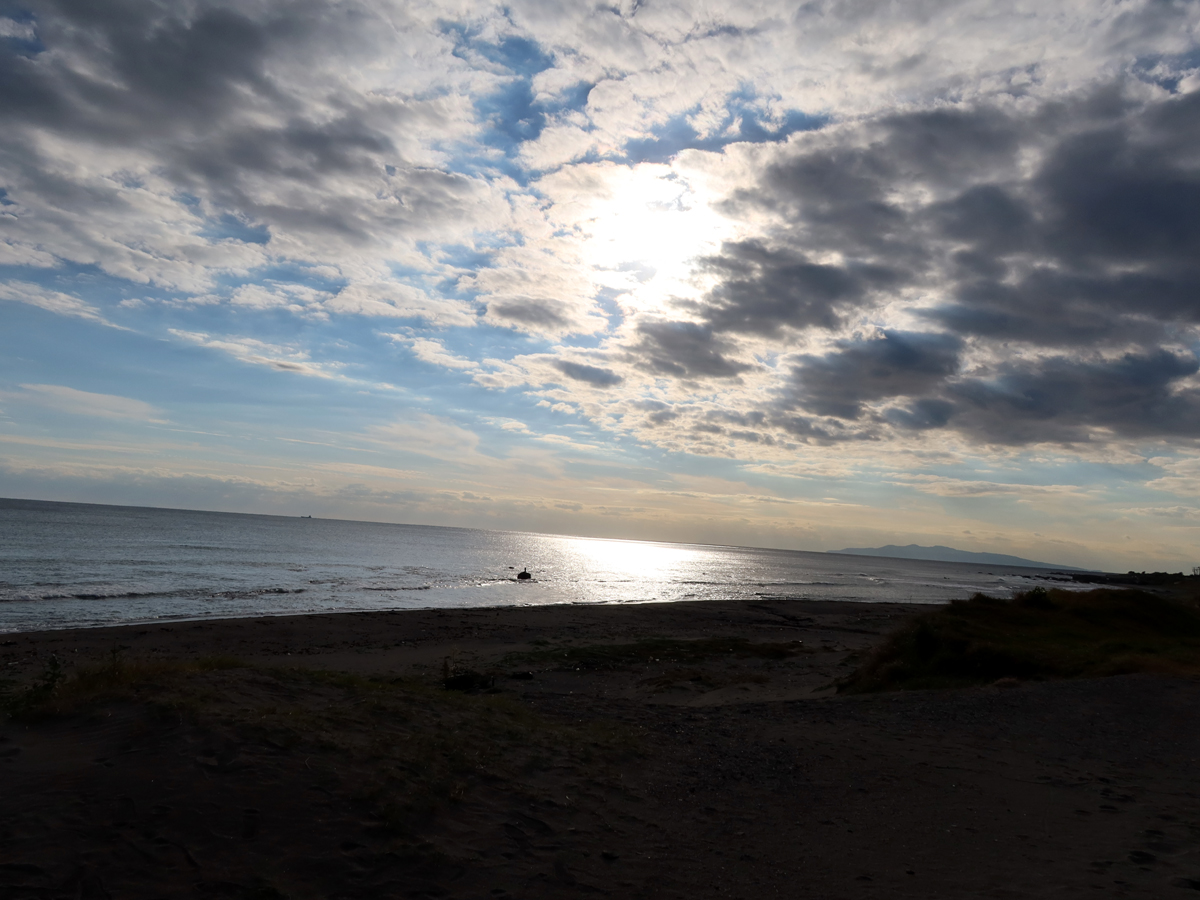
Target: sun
x,y
649,229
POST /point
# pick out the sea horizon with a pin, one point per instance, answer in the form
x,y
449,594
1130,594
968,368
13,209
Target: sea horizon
x,y
68,564
852,551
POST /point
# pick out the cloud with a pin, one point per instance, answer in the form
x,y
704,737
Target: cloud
x,y
684,350
60,398
1013,272
137,132
297,298
52,301
892,364
593,375
943,486
1065,399
435,353
762,290
539,292
22,31
1184,516
1180,476
432,436
261,353
806,238
402,301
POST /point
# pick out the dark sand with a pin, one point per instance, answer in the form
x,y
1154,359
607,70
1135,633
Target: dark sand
x,y
725,776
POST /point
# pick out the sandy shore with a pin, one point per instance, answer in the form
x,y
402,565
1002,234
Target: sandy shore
x,y
726,768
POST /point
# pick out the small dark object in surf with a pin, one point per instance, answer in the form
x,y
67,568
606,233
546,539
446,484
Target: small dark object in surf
x,y
523,575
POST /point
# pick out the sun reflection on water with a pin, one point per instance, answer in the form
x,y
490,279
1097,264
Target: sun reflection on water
x,y
636,559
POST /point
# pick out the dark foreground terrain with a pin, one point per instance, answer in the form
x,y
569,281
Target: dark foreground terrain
x,y
684,750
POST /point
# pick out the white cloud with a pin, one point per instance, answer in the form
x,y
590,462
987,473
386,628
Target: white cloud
x,y
1188,516
429,435
944,486
398,300
297,298
22,31
261,353
52,301
435,353
60,398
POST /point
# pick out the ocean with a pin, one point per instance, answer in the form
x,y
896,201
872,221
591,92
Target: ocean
x,y
70,565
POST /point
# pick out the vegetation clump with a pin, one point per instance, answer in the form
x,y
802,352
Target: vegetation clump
x,y
664,650
59,690
402,746
461,678
1039,634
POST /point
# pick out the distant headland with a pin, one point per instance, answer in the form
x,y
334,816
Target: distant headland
x,y
949,554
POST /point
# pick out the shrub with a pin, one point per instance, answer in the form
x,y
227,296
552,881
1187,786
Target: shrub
x,y
1038,634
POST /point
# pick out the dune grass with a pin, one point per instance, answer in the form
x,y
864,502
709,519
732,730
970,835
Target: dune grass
x,y
1040,634
58,690
656,650
402,746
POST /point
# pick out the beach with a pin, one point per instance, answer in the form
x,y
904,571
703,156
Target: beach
x,y
639,750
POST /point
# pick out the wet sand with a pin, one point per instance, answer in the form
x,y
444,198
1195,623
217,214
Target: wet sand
x,y
728,773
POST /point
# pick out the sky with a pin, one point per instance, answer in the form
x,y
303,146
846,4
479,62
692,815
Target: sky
x,y
805,275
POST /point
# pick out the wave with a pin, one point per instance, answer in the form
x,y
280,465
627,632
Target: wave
x,y
88,595
771,584
116,594
257,592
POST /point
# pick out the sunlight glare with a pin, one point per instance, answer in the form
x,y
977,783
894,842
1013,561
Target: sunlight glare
x,y
633,559
653,221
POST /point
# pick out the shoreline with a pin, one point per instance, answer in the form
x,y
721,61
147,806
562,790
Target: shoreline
x,y
377,640
647,750
150,623
1159,582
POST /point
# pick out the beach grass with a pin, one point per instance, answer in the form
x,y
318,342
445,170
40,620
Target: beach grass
x,y
58,690
652,650
402,747
1039,634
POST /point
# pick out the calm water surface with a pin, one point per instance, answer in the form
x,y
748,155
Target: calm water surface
x,y
65,565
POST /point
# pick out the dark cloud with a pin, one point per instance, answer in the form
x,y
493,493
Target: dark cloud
x,y
1052,307
593,375
913,383
538,313
750,419
1072,227
950,146
1104,245
226,101
921,414
1118,193
1067,399
148,67
988,217
763,290
841,196
895,364
684,350
658,413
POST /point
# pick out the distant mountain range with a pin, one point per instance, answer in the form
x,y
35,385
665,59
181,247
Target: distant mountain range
x,y
949,554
